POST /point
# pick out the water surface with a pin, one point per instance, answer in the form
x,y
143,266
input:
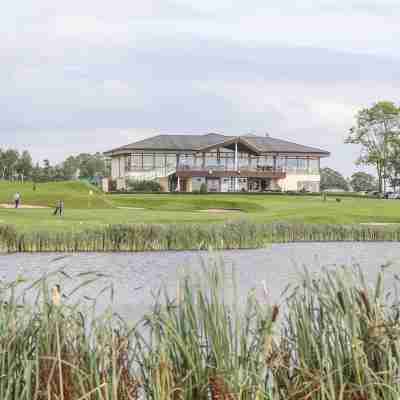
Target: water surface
x,y
136,277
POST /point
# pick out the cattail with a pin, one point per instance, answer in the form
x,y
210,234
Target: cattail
x,y
341,301
364,298
275,313
56,295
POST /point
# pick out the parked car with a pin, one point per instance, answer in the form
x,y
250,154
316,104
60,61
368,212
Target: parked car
x,y
392,195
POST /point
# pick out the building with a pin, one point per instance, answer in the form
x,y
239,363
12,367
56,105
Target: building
x,y
223,163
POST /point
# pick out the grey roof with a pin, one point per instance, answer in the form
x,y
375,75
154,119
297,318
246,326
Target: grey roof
x,y
196,142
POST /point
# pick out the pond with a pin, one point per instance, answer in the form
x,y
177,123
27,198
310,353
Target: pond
x,y
135,277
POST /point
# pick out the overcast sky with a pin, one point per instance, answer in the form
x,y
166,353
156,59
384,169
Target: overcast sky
x,y
89,75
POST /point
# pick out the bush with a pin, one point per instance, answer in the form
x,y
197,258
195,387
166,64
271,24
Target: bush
x,y
203,188
143,186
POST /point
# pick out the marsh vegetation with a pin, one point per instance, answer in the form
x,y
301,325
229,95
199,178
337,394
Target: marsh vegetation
x,y
332,336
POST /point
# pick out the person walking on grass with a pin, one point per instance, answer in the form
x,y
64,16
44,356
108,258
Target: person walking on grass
x,y
17,199
59,208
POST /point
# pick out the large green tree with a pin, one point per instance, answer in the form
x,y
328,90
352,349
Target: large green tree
x,y
331,179
363,182
375,130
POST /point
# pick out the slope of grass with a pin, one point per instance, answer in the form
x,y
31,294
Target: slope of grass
x,y
83,211
75,194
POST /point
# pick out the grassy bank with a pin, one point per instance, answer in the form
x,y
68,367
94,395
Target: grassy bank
x,y
336,337
231,235
84,211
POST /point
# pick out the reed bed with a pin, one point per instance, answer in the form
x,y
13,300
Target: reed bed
x,y
147,237
335,336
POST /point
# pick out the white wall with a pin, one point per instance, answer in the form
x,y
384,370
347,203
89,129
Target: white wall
x,y
291,181
117,167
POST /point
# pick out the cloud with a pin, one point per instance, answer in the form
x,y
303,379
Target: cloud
x,y
94,74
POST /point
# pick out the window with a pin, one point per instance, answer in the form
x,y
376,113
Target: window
x,y
148,161
160,160
281,162
302,164
291,164
136,161
171,160
314,166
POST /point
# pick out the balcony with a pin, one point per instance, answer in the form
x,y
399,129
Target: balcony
x,y
186,171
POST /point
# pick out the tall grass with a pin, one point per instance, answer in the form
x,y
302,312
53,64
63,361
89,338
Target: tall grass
x,y
50,350
203,346
336,337
147,237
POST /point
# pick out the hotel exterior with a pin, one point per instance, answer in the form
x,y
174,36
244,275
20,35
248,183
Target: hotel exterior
x,y
247,163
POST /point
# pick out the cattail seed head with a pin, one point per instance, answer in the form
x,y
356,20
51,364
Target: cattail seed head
x,y
275,313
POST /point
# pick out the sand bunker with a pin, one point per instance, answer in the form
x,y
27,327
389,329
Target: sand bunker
x,y
131,208
379,223
221,210
4,205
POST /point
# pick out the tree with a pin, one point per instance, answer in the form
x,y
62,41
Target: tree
x,y
9,159
24,164
375,130
331,179
363,182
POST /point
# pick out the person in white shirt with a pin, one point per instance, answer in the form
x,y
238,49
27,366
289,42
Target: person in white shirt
x,y
17,199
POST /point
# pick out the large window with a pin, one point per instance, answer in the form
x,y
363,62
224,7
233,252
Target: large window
x,y
281,162
160,160
314,166
211,160
302,164
148,161
291,164
171,160
243,160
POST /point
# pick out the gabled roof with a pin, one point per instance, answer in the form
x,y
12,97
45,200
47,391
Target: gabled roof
x,y
230,142
257,144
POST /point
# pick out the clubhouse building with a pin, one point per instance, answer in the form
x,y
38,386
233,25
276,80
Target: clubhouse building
x,y
246,163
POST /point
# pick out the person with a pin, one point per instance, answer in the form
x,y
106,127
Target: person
x,y
59,208
17,199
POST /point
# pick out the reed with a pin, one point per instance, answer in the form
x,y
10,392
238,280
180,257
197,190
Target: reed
x,y
203,345
335,337
50,350
147,237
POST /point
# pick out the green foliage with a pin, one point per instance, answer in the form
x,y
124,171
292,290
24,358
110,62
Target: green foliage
x,y
14,166
363,182
152,237
203,188
375,130
331,179
143,186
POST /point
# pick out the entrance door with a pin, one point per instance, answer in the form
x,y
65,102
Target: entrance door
x,y
266,184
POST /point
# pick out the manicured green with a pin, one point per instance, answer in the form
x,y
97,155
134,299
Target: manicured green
x,y
84,211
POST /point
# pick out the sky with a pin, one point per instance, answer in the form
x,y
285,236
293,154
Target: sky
x,y
85,76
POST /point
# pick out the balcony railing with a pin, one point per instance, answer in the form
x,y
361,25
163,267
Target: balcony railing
x,y
221,171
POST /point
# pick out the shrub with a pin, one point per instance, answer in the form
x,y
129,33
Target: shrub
x,y
203,188
143,186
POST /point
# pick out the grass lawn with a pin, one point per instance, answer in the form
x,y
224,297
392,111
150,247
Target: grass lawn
x,y
83,210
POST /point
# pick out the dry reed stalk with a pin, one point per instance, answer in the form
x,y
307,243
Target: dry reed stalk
x,y
49,378
219,389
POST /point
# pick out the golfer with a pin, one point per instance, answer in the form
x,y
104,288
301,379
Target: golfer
x,y
17,199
